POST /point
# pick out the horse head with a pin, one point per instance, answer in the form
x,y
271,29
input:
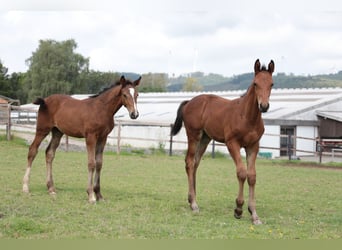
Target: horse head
x,y
263,83
129,95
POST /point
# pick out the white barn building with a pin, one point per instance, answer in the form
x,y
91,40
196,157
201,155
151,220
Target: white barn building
x,y
307,114
295,112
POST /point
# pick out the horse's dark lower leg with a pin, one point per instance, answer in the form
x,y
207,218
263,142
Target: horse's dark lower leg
x,y
33,150
99,160
49,157
241,174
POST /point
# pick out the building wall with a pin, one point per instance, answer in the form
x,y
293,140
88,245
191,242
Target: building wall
x,y
158,137
306,144
270,139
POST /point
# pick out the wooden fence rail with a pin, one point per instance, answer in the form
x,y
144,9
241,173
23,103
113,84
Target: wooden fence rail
x,y
26,118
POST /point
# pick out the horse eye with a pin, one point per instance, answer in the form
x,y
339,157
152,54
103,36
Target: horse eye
x,y
255,84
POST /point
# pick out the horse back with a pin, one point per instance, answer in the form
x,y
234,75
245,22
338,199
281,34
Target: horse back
x,y
221,119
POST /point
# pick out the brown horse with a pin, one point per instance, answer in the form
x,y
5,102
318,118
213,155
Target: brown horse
x,y
91,118
237,123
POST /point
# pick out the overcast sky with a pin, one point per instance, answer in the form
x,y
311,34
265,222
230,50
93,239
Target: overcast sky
x,y
179,36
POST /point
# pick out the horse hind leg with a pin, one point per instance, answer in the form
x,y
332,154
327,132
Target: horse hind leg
x,y
49,156
195,152
33,151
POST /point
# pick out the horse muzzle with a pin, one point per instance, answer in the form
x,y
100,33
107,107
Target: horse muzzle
x,y
134,115
263,107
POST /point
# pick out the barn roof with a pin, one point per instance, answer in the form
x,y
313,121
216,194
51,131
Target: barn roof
x,y
333,115
285,104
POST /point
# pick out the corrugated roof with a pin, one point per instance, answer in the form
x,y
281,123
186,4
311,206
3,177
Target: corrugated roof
x,y
333,115
294,104
291,104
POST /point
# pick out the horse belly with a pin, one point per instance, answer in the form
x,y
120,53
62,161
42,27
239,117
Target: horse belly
x,y
71,129
71,123
215,130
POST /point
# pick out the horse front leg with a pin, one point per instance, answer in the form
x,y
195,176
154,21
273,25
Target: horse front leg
x,y
241,174
91,142
99,159
251,179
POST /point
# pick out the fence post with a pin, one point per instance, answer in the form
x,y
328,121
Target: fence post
x,y
320,150
171,140
289,150
8,127
119,138
213,149
67,143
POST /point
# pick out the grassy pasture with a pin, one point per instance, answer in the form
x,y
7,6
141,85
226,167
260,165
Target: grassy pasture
x,y
146,197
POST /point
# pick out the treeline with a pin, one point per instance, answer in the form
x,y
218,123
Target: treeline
x,y
55,67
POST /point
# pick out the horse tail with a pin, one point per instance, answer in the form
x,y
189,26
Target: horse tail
x,y
179,119
39,101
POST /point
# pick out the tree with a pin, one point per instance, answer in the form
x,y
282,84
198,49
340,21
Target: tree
x,y
54,68
11,85
93,81
154,82
191,85
4,81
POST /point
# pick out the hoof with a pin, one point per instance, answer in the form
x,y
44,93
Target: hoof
x,y
257,222
237,216
26,189
99,197
92,198
194,208
92,201
238,213
52,191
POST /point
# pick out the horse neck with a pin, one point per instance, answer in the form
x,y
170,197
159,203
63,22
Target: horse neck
x,y
112,99
250,105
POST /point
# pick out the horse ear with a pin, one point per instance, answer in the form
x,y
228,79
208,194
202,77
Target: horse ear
x,y
271,67
257,66
122,80
137,82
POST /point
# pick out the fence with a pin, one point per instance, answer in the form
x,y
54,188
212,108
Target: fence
x,y
157,135
320,147
5,118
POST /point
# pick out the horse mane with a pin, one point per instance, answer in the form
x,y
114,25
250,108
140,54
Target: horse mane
x,y
245,92
263,67
117,83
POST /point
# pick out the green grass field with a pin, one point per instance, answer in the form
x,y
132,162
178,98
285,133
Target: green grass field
x,y
146,198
